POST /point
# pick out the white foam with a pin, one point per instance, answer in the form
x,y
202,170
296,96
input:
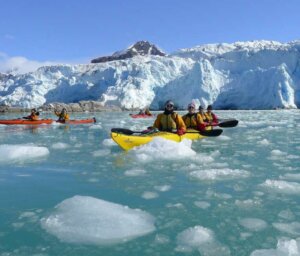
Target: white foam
x,y
285,247
292,228
219,174
88,220
160,148
135,172
253,224
281,186
9,153
60,145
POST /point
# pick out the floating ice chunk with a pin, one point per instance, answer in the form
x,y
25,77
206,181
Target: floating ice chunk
x,y
292,228
95,127
224,138
161,239
101,152
149,195
285,247
290,176
202,204
135,172
192,238
248,203
277,152
60,145
88,220
219,174
264,142
253,224
164,149
108,142
201,239
163,188
9,153
281,186
286,214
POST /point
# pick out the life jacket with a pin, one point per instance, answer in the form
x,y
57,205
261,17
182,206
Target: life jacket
x,y
211,117
168,122
190,120
203,116
63,117
34,117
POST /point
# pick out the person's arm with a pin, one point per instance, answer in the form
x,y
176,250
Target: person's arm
x,y
181,128
157,122
200,123
215,118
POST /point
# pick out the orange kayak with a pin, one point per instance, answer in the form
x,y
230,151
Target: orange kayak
x,y
26,122
82,121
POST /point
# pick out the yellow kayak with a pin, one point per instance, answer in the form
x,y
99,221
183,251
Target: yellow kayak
x,y
127,139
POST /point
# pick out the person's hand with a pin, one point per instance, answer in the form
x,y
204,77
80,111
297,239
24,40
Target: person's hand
x,y
180,132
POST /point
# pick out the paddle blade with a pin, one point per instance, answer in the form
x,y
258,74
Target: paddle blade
x,y
122,131
211,133
229,123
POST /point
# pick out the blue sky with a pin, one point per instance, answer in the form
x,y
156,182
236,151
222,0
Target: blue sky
x,y
75,31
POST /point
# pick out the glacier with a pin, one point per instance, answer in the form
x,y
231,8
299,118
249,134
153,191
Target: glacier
x,y
242,75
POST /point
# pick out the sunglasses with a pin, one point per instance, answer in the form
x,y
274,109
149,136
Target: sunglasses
x,y
191,108
169,106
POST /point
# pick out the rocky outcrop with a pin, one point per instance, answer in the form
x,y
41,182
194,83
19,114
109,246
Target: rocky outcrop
x,y
140,48
82,106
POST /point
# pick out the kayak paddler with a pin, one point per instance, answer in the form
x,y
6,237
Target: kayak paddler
x,y
63,116
169,120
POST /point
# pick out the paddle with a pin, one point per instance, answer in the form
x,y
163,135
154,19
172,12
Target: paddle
x,y
208,133
227,123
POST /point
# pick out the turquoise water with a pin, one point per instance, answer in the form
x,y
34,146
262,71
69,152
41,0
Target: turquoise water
x,y
65,192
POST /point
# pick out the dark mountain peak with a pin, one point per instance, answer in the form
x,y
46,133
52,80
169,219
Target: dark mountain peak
x,y
139,48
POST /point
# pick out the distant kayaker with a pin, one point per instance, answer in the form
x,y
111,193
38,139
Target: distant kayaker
x,y
192,119
210,116
169,120
62,116
34,115
147,112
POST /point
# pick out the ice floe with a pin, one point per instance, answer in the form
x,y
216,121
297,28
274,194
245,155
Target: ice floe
x,y
281,186
253,224
219,174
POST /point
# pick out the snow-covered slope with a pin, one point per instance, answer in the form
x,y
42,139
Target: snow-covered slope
x,y
243,75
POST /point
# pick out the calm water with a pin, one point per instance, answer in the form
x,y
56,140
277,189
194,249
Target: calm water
x,y
64,189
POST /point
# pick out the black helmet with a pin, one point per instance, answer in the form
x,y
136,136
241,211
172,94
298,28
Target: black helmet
x,y
169,102
209,107
200,107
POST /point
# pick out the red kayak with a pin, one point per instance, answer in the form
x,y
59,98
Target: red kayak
x,y
82,121
26,121
140,115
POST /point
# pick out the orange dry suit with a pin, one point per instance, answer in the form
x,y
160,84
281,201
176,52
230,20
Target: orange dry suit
x,y
170,121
